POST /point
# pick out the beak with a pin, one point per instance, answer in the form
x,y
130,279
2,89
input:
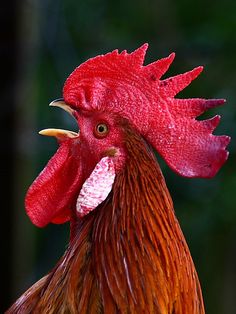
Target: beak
x,y
61,104
60,134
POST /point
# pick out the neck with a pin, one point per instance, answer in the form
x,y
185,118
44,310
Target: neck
x,y
128,253
140,252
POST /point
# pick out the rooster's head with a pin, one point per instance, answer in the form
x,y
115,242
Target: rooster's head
x,y
104,94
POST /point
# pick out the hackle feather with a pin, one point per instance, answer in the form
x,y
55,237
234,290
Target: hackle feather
x,y
127,256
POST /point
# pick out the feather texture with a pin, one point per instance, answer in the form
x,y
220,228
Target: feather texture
x,y
127,256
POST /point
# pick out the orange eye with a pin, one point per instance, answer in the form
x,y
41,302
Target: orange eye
x,y
101,130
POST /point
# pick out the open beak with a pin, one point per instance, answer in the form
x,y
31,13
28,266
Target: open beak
x,y
60,134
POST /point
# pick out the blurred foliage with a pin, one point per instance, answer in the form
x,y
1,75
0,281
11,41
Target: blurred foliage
x,y
55,37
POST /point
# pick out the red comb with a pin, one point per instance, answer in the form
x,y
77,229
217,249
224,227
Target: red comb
x,y
119,83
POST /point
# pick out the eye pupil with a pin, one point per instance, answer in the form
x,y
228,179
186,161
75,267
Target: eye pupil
x,y
101,128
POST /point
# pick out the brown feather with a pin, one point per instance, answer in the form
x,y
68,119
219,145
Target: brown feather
x,y
127,256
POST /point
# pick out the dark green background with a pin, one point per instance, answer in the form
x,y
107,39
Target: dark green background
x,y
49,39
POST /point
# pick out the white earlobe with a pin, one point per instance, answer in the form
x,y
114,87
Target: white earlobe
x,y
97,187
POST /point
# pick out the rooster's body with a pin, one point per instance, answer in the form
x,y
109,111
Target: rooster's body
x,y
127,253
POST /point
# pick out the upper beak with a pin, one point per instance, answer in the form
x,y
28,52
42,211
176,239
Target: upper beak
x,y
61,104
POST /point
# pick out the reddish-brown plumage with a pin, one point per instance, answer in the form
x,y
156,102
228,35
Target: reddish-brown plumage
x,y
127,254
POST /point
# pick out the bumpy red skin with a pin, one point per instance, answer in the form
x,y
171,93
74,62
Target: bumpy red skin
x,y
53,195
119,85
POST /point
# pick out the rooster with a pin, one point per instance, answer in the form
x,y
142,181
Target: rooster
x,y
127,253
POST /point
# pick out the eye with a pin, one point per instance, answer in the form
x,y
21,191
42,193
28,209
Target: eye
x,y
101,130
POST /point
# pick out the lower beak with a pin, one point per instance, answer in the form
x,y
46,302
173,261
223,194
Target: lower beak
x,y
60,134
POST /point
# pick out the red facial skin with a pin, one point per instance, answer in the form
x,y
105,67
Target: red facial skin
x,y
52,196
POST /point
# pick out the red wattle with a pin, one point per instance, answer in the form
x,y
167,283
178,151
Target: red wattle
x,y
51,195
